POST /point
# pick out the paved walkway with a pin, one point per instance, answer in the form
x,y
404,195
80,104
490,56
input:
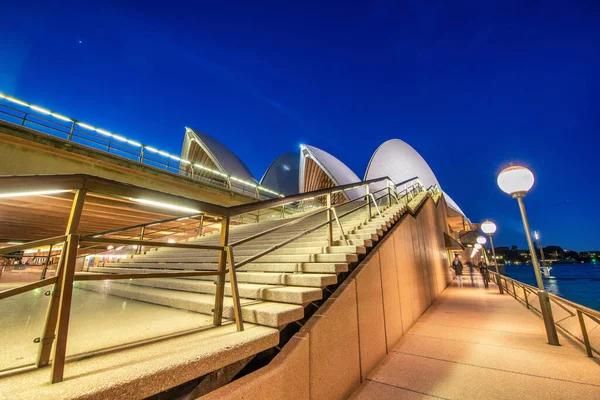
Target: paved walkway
x,y
474,343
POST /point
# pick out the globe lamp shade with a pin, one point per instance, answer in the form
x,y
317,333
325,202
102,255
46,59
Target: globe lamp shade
x,y
481,240
515,180
477,246
488,227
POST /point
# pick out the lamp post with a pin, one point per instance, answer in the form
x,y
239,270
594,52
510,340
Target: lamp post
x,y
489,228
516,181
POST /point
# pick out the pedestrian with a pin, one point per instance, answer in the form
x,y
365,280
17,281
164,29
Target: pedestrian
x,y
471,270
483,269
458,267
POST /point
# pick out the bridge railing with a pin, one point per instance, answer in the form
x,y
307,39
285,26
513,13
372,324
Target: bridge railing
x,y
44,121
578,322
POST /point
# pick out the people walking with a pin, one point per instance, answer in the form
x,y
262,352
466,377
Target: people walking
x,y
483,269
471,270
458,267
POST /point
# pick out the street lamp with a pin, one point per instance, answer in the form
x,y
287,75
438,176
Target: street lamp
x,y
489,228
516,181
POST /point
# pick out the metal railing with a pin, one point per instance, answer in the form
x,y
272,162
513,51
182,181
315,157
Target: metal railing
x,y
575,320
75,131
52,343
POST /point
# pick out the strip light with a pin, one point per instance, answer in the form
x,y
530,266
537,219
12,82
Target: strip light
x,y
164,205
133,142
34,193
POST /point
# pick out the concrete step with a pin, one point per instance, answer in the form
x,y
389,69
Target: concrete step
x,y
308,267
281,294
270,278
259,312
269,258
252,250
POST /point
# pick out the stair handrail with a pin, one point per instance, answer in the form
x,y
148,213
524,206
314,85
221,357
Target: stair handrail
x,y
54,337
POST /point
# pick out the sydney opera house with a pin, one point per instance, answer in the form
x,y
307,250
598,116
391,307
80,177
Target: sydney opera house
x,y
313,168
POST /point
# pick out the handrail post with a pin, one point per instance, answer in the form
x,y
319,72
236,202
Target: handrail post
x,y
329,221
142,154
71,131
586,338
220,293
526,295
138,249
368,203
344,237
43,275
389,194
200,226
235,295
57,301
66,295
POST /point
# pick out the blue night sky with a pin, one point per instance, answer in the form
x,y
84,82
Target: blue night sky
x,y
470,84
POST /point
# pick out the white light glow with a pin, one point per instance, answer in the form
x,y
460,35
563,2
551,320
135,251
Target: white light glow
x,y
40,110
103,132
86,126
34,193
61,117
477,246
481,240
164,205
151,149
488,227
120,138
171,240
515,179
19,102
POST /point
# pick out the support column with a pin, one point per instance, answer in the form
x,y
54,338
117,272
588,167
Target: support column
x,y
57,299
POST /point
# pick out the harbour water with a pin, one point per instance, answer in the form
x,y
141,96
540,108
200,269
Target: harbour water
x,y
576,282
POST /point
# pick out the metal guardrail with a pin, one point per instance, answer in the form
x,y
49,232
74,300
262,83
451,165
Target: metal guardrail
x,y
588,320
71,130
54,337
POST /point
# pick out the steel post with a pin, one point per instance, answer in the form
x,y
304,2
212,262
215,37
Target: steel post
x,y
329,221
62,329
71,131
45,269
52,313
237,307
138,249
368,198
495,261
584,333
220,293
542,294
200,226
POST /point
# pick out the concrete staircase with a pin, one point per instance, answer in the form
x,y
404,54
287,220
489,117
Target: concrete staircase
x,y
275,288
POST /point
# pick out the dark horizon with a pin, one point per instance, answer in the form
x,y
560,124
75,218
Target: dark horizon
x,y
471,87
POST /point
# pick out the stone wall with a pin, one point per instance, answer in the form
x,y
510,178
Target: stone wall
x,y
363,320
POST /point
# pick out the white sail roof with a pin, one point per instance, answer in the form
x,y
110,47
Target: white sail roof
x,y
219,154
336,170
399,161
